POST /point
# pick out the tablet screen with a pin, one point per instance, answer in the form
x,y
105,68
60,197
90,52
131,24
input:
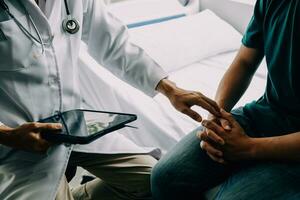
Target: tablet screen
x,y
89,124
97,122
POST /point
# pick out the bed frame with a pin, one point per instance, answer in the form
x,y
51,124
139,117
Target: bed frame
x,y
226,8
242,9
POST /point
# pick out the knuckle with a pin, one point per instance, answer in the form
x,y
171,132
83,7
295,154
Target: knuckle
x,y
228,114
208,123
34,125
204,122
202,136
48,126
209,133
184,110
221,131
198,94
203,145
27,125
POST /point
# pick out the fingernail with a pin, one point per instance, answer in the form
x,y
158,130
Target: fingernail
x,y
227,127
221,142
58,126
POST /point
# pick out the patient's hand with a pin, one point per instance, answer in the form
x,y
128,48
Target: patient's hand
x,y
183,100
210,140
27,137
220,121
237,145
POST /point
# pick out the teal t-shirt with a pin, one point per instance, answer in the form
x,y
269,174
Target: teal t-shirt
x,y
275,30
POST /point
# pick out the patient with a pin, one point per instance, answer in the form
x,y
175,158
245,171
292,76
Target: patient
x,y
254,151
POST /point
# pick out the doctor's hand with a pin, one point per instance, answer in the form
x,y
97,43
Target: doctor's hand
x,y
27,136
183,100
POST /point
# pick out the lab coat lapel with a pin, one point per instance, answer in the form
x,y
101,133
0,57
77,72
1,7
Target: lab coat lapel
x,y
55,12
38,17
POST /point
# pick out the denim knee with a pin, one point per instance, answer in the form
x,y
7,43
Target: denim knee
x,y
173,176
159,181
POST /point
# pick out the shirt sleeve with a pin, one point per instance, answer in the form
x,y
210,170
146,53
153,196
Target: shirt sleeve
x,y
254,37
108,43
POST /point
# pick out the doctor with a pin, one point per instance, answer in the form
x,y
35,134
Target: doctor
x,y
39,47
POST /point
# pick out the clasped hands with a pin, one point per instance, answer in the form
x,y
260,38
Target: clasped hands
x,y
224,139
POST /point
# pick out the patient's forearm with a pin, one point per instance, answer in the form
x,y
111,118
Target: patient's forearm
x,y
238,77
281,148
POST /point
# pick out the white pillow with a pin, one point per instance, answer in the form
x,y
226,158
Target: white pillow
x,y
181,42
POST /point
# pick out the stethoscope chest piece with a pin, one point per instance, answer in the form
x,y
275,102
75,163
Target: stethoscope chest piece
x,y
70,25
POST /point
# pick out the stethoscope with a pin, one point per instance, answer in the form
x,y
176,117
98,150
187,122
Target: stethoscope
x,y
70,24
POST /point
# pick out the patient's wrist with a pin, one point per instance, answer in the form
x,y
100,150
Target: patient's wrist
x,y
257,148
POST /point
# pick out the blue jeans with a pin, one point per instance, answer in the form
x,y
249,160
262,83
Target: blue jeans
x,y
186,172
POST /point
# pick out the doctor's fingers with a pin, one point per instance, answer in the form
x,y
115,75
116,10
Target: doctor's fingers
x,y
207,104
43,126
191,113
28,141
38,144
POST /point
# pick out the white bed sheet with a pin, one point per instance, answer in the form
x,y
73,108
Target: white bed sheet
x,y
160,125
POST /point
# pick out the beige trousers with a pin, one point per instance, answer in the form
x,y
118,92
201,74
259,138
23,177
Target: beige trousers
x,y
120,177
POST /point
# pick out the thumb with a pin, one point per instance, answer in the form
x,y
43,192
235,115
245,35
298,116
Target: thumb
x,y
50,127
225,124
227,116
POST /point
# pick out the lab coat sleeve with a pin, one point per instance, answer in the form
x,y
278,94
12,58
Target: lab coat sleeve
x,y
108,43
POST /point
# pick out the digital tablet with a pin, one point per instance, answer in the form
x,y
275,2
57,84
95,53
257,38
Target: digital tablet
x,y
85,126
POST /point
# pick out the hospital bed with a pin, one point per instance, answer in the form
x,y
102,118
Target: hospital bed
x,y
196,60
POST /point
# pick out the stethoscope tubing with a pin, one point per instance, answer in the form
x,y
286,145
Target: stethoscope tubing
x,y
66,23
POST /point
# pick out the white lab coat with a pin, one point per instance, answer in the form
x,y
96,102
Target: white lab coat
x,y
35,85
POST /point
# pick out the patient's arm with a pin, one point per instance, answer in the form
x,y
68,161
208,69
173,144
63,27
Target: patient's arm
x,y
232,86
281,148
238,77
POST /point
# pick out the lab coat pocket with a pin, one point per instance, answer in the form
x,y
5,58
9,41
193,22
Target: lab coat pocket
x,y
15,46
